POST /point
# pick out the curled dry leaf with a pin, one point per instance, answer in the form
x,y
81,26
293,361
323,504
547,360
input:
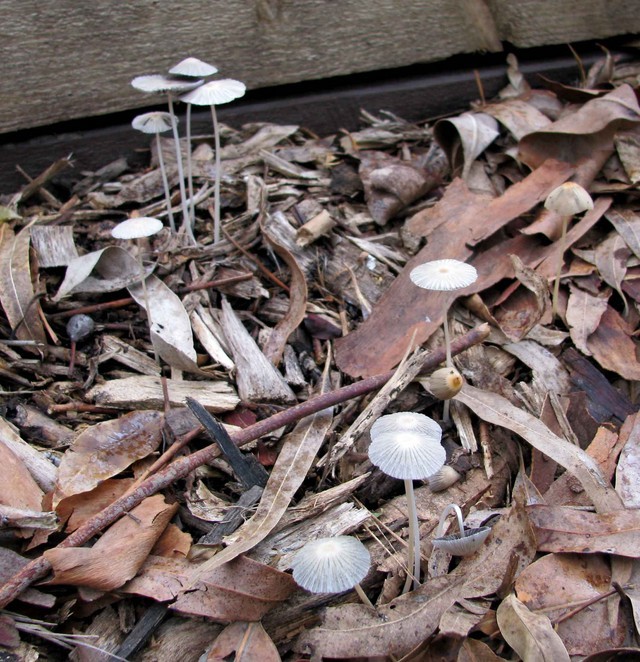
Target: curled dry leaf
x,y
17,489
244,641
16,288
627,225
530,635
118,554
105,449
583,315
628,469
106,270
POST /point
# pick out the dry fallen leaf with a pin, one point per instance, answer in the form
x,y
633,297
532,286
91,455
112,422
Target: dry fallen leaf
x,y
246,641
530,635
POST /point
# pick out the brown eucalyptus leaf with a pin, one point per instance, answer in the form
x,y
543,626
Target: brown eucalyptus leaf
x,y
16,288
245,642
171,333
114,269
611,260
474,650
274,348
628,148
294,461
583,315
627,225
103,450
556,583
530,635
118,554
519,116
566,529
628,467
576,136
613,347
464,138
497,410
18,489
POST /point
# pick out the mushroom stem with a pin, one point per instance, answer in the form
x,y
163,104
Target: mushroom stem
x,y
413,549
186,223
192,202
363,596
449,363
216,190
165,183
556,282
452,508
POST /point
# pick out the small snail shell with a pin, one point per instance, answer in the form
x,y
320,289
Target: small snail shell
x,y
445,477
445,383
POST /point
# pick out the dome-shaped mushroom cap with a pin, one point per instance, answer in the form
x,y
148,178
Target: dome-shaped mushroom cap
x,y
456,545
331,565
135,228
155,122
157,83
444,275
193,68
407,445
215,92
568,199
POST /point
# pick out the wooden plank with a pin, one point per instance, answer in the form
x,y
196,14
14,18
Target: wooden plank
x,y
527,23
438,89
71,58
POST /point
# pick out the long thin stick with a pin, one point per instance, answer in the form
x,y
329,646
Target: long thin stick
x,y
183,466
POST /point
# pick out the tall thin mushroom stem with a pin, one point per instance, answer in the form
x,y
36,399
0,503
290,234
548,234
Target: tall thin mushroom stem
x,y
561,252
216,184
192,202
413,550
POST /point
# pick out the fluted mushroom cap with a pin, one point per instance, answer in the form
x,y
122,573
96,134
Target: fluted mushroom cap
x,y
154,122
407,445
215,92
331,565
457,545
444,275
157,83
192,67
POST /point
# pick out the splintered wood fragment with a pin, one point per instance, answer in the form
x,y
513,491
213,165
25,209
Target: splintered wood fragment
x,y
54,245
143,629
122,352
37,425
256,378
146,393
30,519
207,332
35,184
248,473
319,226
233,518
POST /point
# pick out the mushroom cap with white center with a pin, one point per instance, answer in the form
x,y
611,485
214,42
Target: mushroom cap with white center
x,y
154,122
331,565
192,67
215,92
444,275
568,199
407,445
136,228
157,83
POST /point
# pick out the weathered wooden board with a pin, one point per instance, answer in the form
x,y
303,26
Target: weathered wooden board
x,y
75,58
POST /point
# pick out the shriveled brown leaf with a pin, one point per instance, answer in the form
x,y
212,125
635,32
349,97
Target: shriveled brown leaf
x,y
246,642
278,337
118,555
105,449
519,116
628,468
613,347
474,650
583,315
18,489
627,225
16,288
530,635
611,260
565,529
556,583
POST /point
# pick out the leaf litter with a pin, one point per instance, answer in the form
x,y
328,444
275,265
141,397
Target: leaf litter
x,y
288,330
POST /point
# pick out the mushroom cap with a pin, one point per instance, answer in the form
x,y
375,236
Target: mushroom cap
x,y
192,67
135,228
407,445
154,122
157,83
331,565
568,199
445,383
444,275
445,477
456,545
215,92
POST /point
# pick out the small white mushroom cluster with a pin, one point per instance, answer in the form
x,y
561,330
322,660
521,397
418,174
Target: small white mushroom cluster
x,y
186,82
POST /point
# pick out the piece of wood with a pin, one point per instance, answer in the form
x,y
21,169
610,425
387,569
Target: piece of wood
x,y
146,393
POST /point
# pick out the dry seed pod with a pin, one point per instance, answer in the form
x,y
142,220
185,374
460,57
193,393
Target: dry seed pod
x,y
445,383
443,478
